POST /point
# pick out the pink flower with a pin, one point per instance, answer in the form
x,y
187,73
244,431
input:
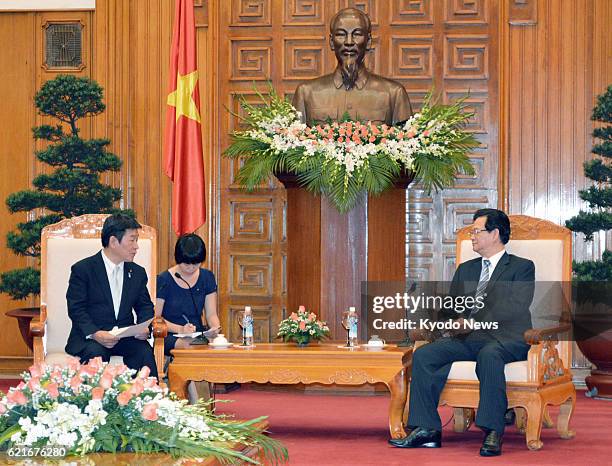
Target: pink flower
x,y
137,387
53,390
17,397
124,398
302,325
411,133
73,363
97,393
88,370
149,412
3,408
35,370
106,381
150,383
340,139
372,139
144,372
293,316
426,133
34,383
20,386
75,382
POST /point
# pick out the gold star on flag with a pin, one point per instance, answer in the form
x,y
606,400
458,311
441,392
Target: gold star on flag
x,y
182,98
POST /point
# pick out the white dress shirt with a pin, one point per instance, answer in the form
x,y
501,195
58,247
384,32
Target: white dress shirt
x,y
114,273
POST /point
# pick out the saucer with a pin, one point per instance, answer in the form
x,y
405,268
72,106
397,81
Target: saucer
x,y
221,345
374,347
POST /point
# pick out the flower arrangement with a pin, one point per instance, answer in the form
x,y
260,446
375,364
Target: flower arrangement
x,y
301,327
342,159
97,407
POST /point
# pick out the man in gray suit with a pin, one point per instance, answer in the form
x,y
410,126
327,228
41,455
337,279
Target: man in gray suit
x,y
504,284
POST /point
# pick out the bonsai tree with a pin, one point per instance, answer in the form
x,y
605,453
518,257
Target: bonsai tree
x,y
73,186
598,196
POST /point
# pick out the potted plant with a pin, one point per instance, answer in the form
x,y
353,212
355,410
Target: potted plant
x,y
73,186
593,279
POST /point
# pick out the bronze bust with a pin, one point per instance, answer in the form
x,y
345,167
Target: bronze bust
x,y
351,88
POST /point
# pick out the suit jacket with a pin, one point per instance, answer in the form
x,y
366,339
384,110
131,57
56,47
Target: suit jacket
x,y
90,303
508,296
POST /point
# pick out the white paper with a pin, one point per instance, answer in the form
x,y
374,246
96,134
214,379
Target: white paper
x,y
132,330
187,335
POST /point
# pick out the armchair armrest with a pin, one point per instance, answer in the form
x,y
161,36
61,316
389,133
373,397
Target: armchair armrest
x,y
160,329
37,330
37,326
536,335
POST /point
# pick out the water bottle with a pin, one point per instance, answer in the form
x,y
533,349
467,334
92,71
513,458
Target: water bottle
x,y
247,327
353,319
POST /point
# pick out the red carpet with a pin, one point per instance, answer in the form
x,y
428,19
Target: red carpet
x,y
327,430
352,430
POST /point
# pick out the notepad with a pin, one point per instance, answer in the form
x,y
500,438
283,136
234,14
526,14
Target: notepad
x,y
132,330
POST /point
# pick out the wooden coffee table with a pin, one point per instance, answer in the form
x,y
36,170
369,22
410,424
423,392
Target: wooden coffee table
x,y
281,363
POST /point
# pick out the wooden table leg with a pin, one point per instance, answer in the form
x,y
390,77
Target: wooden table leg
x,y
178,384
399,389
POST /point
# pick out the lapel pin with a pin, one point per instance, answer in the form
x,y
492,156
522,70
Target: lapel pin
x,y
130,273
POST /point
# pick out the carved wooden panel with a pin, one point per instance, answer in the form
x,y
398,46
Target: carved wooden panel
x,y
450,45
523,12
411,12
251,13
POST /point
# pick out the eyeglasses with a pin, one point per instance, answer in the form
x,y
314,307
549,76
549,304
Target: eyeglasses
x,y
475,231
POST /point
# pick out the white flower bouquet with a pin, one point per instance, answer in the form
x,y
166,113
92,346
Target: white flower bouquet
x,y
97,407
342,159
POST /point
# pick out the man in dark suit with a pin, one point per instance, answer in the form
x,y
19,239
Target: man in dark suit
x,y
102,292
502,286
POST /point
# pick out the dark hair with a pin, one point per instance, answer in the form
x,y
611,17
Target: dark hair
x,y
116,225
354,12
189,249
496,219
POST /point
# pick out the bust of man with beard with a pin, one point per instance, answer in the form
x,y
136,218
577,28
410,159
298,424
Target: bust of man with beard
x,y
352,89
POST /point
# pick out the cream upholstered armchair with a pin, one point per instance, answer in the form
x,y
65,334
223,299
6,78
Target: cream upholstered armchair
x,y
544,378
62,245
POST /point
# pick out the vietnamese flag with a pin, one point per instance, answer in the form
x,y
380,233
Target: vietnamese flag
x,y
183,161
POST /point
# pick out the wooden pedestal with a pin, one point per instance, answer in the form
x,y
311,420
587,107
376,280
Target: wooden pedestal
x,y
330,254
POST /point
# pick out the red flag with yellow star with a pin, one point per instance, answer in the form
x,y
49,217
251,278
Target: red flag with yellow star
x,y
183,161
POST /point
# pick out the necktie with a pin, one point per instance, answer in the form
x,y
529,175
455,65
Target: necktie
x,y
482,282
116,289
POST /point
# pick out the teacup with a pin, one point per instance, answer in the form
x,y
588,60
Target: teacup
x,y
220,340
376,342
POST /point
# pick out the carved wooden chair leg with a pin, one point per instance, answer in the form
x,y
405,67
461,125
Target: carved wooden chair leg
x,y
464,417
565,414
547,420
535,412
521,419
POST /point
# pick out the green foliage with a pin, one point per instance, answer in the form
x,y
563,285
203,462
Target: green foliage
x,y
73,187
598,196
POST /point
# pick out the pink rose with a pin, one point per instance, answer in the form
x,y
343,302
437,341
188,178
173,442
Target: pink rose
x,y
426,133
293,316
411,133
302,308
17,397
75,382
124,398
97,393
35,370
34,383
3,408
53,390
137,387
302,325
149,412
144,372
106,381
150,383
73,363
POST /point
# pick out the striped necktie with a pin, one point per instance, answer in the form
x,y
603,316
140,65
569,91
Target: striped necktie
x,y
482,282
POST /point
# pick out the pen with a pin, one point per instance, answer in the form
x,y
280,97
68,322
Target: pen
x,y
186,319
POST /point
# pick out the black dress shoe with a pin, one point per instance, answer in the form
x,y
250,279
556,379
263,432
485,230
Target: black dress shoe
x,y
419,438
509,417
492,444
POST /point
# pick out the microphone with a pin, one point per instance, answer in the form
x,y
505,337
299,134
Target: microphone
x,y
195,308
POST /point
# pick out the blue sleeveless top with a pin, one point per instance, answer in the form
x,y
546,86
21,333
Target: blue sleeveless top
x,y
177,300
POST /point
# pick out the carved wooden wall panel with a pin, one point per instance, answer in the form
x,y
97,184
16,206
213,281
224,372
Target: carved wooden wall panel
x,y
450,45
